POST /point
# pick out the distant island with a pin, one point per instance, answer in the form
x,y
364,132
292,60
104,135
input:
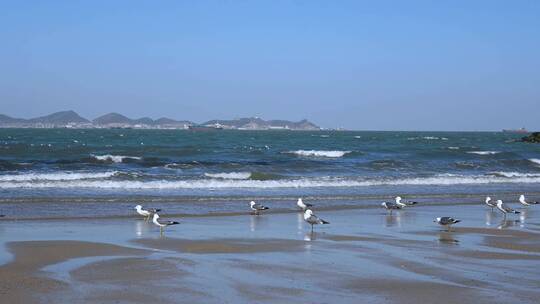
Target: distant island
x,y
70,119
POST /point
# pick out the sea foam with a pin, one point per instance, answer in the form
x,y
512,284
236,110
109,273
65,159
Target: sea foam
x,y
484,152
58,176
441,180
320,153
114,158
230,175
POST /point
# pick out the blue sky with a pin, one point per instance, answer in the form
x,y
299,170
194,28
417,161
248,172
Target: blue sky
x,y
384,65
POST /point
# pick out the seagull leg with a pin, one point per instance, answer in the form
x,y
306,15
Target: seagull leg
x,y
312,228
160,230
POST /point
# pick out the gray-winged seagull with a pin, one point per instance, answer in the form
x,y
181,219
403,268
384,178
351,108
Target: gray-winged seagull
x,y
312,219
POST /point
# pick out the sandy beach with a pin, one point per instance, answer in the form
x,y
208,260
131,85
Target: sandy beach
x,y
364,255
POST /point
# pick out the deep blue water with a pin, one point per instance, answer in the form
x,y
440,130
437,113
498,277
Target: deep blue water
x,y
86,163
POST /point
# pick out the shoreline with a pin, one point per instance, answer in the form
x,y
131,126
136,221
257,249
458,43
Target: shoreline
x,y
273,258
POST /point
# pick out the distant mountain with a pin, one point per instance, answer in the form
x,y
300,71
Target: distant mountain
x,y
70,119
112,118
4,119
256,123
60,118
172,122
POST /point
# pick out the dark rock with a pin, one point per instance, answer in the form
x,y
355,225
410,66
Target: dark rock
x,y
532,138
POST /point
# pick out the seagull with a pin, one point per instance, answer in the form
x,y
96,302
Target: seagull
x,y
505,209
404,204
312,219
162,224
257,207
146,212
302,205
490,203
446,221
524,202
391,206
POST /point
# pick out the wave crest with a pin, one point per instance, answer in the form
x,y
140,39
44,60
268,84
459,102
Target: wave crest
x,y
484,152
320,153
114,158
229,175
59,176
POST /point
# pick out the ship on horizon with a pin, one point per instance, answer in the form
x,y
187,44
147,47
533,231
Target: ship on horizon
x,y
520,130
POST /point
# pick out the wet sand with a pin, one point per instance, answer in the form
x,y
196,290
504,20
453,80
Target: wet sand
x,y
364,255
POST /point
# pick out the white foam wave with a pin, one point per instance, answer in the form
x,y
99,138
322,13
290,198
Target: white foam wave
x,y
428,138
230,175
58,176
319,153
453,148
535,160
513,174
484,152
114,158
443,180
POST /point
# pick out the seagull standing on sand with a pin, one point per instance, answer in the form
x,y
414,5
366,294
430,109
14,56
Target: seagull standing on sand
x,y
446,221
405,203
490,203
302,205
161,223
257,207
146,212
524,202
504,209
312,219
391,206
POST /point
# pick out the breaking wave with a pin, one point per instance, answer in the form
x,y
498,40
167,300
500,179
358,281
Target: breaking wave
x,y
59,176
535,160
443,180
114,158
230,175
320,153
484,152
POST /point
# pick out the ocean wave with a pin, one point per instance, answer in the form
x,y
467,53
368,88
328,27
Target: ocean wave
x,y
230,175
58,176
439,180
428,138
484,152
513,174
535,160
320,153
114,158
453,148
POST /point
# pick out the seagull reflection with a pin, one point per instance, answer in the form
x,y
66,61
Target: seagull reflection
x,y
255,222
489,218
141,228
446,237
508,223
310,236
523,217
392,220
300,222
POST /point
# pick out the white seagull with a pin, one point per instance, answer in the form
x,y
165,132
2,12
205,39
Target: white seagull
x,y
312,219
257,207
524,202
404,204
303,205
490,203
504,209
161,223
446,221
146,212
390,206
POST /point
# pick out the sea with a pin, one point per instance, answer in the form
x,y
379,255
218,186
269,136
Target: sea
x,y
55,173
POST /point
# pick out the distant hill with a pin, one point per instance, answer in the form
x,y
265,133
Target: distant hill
x,y
4,119
112,118
70,119
58,118
256,123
